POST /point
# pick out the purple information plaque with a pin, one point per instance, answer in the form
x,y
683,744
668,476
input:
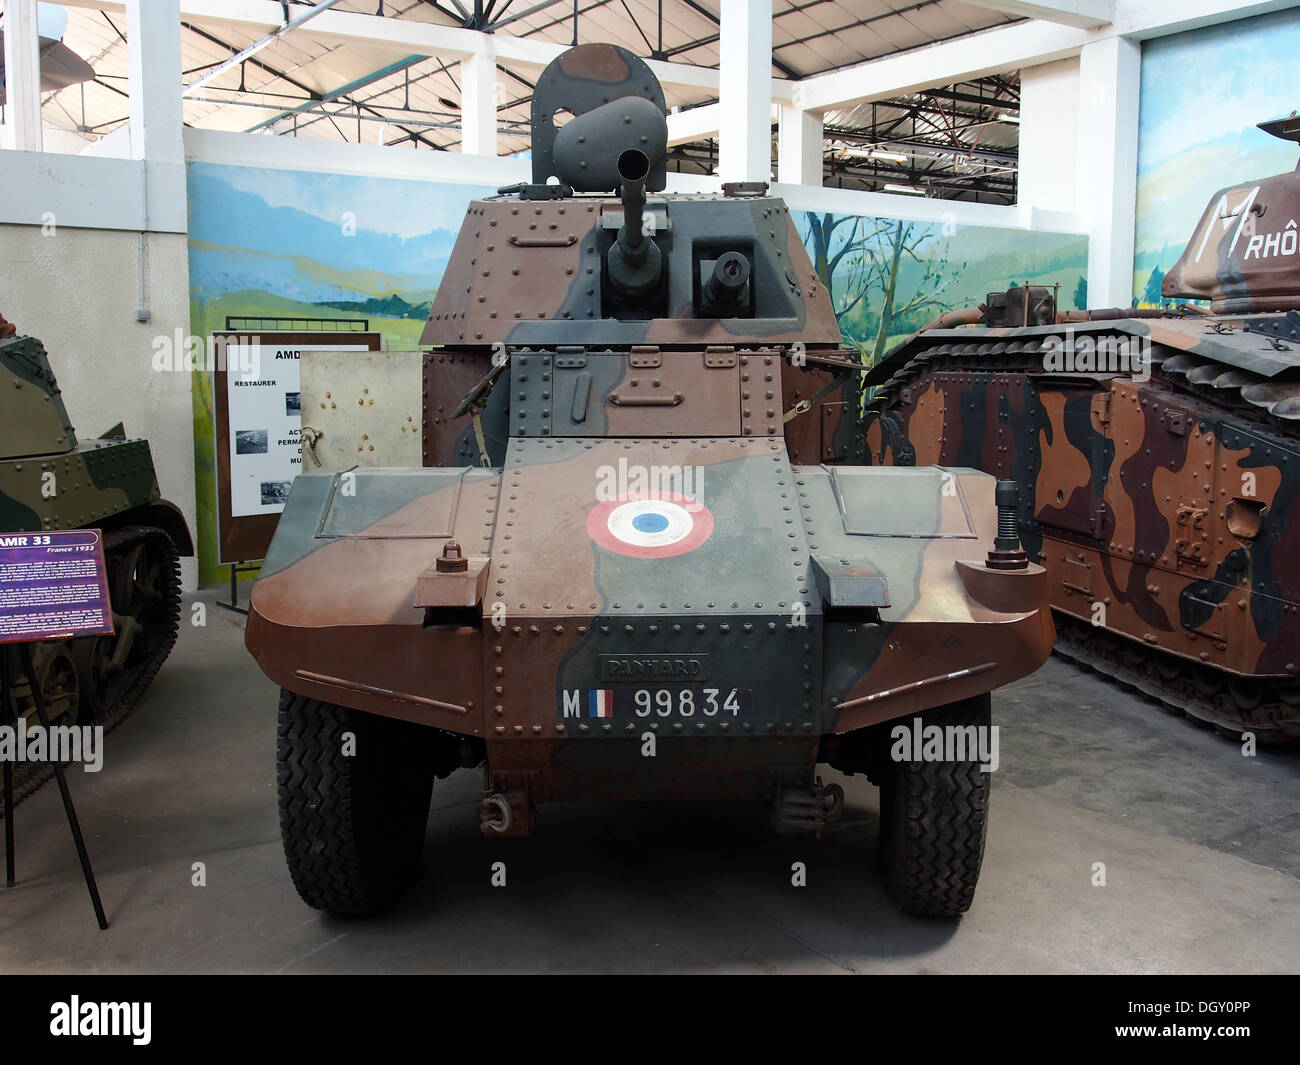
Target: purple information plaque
x,y
53,585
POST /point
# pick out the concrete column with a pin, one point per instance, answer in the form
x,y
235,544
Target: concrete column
x,y
153,35
1106,165
478,100
22,77
1049,134
745,91
798,146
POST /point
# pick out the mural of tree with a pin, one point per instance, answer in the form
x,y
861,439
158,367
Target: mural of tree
x,y
1081,294
862,259
1152,293
833,246
898,242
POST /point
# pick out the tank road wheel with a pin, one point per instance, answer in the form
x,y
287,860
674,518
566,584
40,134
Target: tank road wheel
x,y
352,820
933,819
144,584
59,688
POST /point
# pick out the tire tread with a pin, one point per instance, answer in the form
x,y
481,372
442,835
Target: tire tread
x,y
933,846
331,828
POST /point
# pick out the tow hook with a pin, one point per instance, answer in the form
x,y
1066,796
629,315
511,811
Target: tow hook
x,y
807,809
494,813
506,803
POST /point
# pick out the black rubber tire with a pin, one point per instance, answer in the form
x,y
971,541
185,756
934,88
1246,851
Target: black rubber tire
x,y
933,821
353,826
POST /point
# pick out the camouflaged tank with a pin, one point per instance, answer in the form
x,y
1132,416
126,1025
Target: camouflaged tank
x,y
1158,452
642,559
49,479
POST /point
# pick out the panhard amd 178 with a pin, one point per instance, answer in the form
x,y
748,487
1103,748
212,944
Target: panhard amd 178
x,y
642,559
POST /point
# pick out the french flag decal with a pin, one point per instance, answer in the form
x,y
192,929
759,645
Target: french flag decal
x,y
601,701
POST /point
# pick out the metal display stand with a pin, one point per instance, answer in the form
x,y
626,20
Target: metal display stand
x,y
38,697
235,570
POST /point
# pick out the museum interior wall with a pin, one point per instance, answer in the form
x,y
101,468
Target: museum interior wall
x,y
352,231
77,290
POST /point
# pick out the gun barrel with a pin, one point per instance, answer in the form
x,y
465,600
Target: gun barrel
x,y
633,166
634,261
730,275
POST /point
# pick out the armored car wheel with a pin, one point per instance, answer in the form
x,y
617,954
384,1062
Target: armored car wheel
x,y
933,818
354,794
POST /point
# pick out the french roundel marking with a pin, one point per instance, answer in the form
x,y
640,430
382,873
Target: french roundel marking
x,y
660,527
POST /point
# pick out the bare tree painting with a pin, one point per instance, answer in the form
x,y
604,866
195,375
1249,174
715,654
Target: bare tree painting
x,y
861,261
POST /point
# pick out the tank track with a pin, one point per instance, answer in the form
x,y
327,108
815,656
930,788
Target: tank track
x,y
118,543
1206,695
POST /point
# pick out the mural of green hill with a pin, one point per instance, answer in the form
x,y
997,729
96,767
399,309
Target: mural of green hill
x,y
391,307
400,323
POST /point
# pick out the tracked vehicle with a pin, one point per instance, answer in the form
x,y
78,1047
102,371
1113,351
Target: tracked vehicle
x,y
1159,454
50,479
642,559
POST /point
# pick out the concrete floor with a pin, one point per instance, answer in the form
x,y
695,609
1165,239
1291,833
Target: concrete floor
x,y
1201,847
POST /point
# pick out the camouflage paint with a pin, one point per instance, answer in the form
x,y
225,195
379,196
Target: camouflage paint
x,y
829,597
1168,503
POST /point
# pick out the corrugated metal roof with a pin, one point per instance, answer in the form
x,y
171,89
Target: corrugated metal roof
x,y
419,105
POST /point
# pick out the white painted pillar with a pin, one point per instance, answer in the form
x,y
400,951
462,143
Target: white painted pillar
x,y
478,100
1049,134
153,34
745,91
1106,166
798,146
156,126
22,77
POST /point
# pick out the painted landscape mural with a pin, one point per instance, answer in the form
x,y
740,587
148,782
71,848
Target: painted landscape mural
x,y
889,276
286,244
1202,94
283,243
